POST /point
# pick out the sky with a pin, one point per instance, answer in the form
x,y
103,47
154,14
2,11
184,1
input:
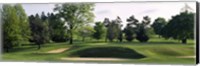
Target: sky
x,y
123,10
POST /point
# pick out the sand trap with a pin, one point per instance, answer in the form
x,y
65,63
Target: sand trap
x,y
93,59
186,57
58,50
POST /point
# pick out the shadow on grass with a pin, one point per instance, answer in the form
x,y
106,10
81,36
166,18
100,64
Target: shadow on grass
x,y
21,49
144,43
108,52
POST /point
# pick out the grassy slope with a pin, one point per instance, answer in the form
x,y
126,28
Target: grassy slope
x,y
157,51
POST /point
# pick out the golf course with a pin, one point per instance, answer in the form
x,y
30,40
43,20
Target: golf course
x,y
84,32
156,51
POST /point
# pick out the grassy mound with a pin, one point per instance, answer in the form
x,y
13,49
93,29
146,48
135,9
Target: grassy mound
x,y
108,52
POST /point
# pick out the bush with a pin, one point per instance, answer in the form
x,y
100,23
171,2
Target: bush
x,y
142,38
60,38
129,38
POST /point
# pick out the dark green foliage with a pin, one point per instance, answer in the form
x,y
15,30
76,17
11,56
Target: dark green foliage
x,y
45,25
75,15
139,29
120,36
129,32
180,27
108,52
158,25
142,36
129,29
99,30
113,28
141,32
120,33
57,29
39,30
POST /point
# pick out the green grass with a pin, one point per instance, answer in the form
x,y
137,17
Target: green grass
x,y
156,51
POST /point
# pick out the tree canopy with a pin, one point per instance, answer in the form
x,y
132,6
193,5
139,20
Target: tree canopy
x,y
99,30
180,27
15,26
158,25
75,15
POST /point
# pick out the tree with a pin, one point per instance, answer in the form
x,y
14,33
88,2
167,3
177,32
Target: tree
x,y
158,25
43,16
180,27
130,28
24,24
119,28
57,28
141,33
39,30
99,30
113,28
129,32
45,25
140,28
11,29
86,31
75,15
106,23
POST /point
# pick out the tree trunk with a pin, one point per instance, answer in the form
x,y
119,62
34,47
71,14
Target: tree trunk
x,y
184,41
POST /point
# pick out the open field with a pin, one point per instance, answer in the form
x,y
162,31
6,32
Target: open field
x,y
155,51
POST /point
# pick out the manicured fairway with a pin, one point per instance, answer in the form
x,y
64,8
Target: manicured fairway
x,y
156,51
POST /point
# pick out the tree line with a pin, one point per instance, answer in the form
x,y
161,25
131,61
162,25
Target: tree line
x,y
73,19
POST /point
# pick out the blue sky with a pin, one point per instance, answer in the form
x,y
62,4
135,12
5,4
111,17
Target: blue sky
x,y
124,10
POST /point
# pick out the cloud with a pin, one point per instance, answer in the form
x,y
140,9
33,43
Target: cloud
x,y
148,11
103,12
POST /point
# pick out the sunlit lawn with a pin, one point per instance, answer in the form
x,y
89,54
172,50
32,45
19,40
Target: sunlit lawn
x,y
157,50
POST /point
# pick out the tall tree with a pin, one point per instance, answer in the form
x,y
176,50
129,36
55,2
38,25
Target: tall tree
x,y
75,15
129,32
99,30
39,30
141,33
11,29
43,16
180,27
24,24
120,33
45,25
57,28
158,25
113,28
130,28
106,23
